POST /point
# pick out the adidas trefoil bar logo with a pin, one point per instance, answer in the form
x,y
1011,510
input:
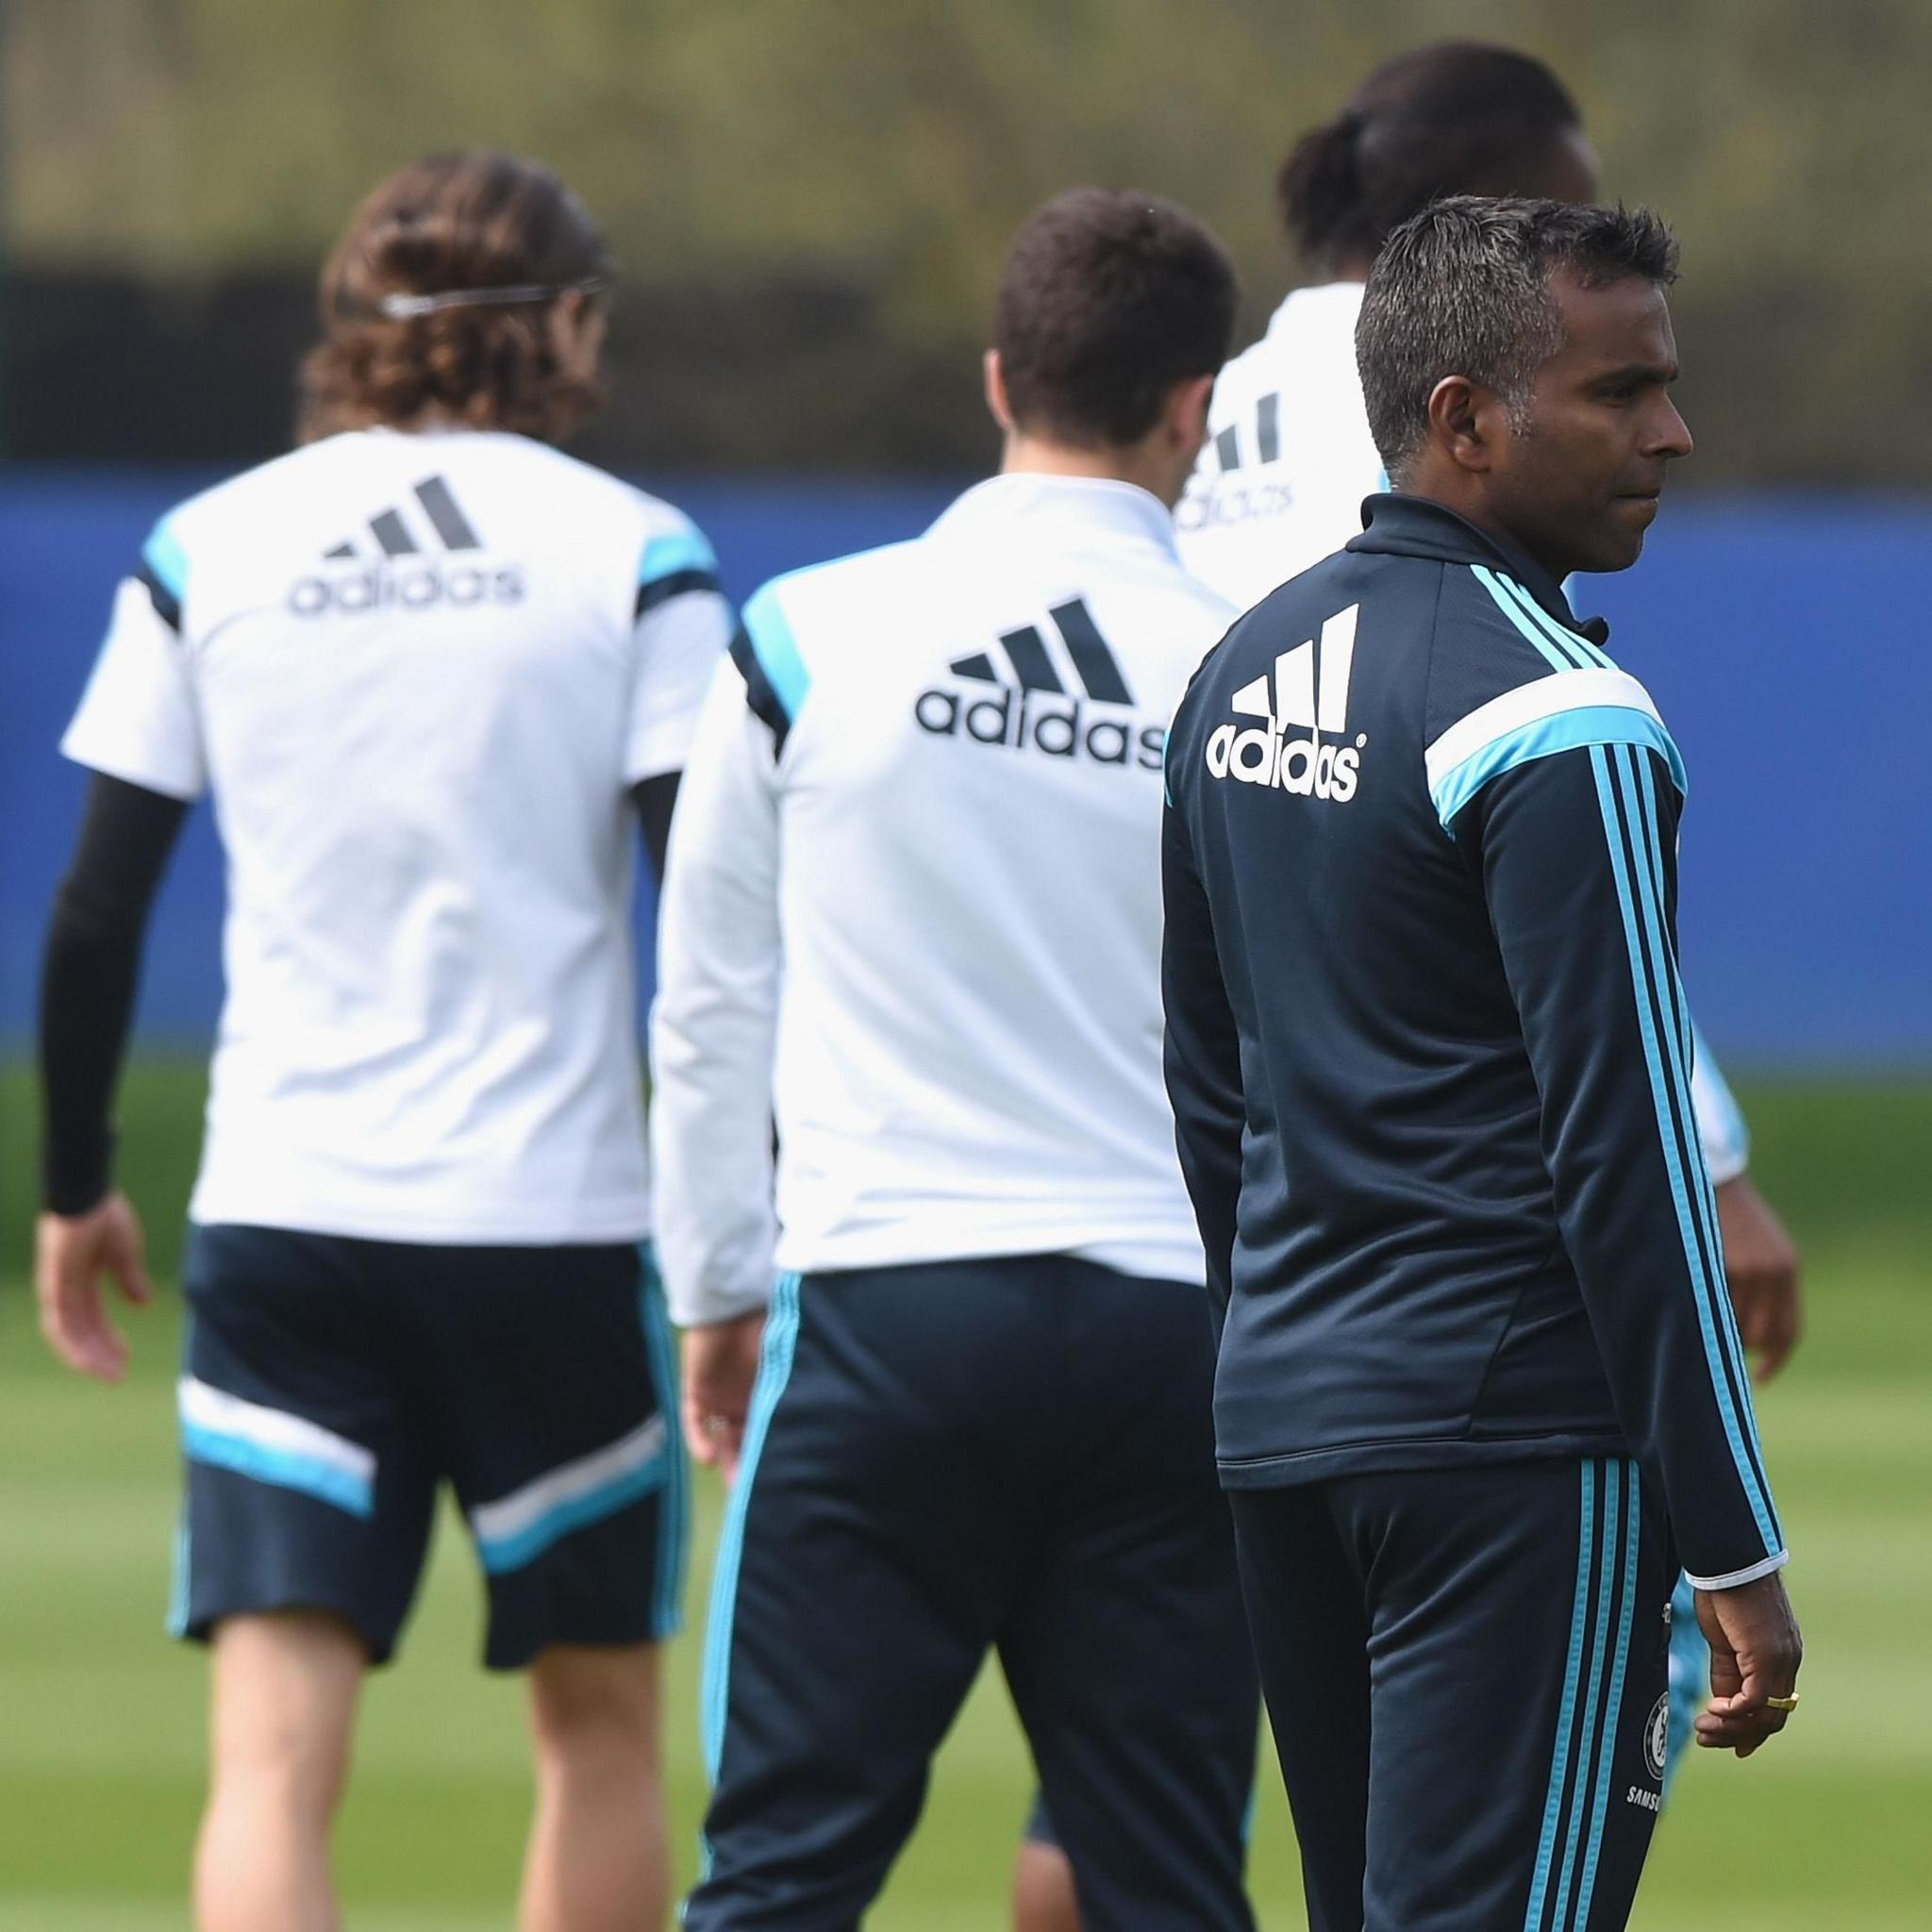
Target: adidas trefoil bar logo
x,y
1308,688
402,577
1033,709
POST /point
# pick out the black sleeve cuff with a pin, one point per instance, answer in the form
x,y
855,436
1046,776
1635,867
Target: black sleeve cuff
x,y
77,1171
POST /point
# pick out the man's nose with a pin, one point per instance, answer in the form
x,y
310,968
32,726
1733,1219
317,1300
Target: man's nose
x,y
1670,435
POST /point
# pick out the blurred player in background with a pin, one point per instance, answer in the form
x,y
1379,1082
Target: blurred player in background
x,y
913,882
435,675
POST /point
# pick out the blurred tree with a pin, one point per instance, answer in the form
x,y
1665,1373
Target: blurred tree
x,y
825,188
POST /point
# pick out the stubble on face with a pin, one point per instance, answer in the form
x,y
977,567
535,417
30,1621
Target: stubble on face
x,y
1581,480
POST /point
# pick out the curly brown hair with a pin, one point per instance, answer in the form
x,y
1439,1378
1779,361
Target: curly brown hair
x,y
450,222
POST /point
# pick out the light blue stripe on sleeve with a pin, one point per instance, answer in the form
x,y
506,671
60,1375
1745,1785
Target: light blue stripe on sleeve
x,y
1607,780
777,649
1560,1761
1663,964
677,550
1564,731
1671,1085
1665,967
287,1469
163,555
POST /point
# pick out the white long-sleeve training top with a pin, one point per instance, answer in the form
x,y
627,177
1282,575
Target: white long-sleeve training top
x,y
912,908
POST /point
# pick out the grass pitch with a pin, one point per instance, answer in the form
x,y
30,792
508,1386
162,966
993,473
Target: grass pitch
x,y
100,1744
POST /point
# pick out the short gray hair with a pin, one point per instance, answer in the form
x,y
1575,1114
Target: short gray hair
x,y
1463,289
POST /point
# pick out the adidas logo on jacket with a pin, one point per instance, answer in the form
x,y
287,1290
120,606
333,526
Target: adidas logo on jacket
x,y
1028,717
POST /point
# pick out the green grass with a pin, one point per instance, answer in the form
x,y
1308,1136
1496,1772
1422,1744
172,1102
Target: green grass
x,y
101,1750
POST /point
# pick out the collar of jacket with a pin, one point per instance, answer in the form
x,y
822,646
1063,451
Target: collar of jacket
x,y
1416,526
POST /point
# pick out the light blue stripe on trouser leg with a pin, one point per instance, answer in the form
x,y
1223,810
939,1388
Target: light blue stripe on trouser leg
x,y
774,1371
1613,1707
1560,1761
673,1503
1599,1659
1608,1548
181,1588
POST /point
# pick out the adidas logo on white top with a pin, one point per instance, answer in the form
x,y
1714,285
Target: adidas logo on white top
x,y
1035,708
1308,688
402,577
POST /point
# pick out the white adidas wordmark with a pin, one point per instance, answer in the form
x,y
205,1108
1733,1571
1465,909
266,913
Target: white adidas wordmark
x,y
1308,688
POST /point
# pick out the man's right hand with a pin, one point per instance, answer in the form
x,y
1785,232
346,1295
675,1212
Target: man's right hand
x,y
1761,1271
721,1364
1755,1654
71,1253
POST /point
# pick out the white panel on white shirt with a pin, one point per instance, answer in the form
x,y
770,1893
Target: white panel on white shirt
x,y
927,931
419,673
1289,456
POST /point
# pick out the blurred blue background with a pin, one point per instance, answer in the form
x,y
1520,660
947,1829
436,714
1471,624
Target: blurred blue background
x,y
1780,636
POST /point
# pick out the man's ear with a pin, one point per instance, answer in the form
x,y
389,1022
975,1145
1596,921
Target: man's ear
x,y
1463,423
1185,415
576,327
997,391
564,324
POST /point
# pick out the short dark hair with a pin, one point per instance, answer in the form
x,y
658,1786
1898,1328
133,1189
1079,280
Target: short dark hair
x,y
1459,117
1463,289
1109,298
448,222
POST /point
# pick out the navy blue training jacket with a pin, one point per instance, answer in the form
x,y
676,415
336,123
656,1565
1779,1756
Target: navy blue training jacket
x,y
1429,1057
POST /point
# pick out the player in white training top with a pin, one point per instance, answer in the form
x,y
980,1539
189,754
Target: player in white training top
x,y
432,672
913,898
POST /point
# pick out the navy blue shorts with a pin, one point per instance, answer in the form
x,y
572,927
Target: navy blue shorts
x,y
1013,1455
1467,1675
332,1384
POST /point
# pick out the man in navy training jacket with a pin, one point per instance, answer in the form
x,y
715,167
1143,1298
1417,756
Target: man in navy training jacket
x,y
1479,1387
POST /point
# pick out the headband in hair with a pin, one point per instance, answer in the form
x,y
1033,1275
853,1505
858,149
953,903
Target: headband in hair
x,y
405,308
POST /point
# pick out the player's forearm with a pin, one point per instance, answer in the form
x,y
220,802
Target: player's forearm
x,y
89,977
712,1155
715,1022
91,972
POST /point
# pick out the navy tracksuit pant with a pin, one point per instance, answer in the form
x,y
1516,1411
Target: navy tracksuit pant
x,y
1012,1454
1466,1672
